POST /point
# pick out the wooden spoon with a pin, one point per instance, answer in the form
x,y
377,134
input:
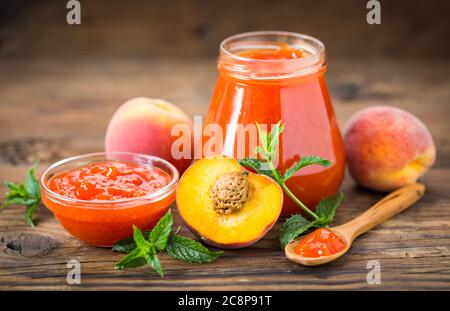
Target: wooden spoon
x,y
389,206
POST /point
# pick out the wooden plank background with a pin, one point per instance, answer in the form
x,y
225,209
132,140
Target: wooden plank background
x,y
194,28
59,86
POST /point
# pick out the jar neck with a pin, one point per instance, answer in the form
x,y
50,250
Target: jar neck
x,y
232,61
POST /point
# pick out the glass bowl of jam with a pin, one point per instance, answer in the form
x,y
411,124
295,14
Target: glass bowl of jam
x,y
98,197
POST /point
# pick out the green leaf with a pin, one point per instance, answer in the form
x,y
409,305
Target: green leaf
x,y
30,212
262,148
152,259
259,150
252,163
305,161
292,228
257,166
19,201
127,245
274,138
160,233
185,249
326,209
133,260
31,184
139,239
11,186
15,190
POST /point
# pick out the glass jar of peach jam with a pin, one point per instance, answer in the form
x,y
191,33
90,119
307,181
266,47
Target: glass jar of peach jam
x,y
269,76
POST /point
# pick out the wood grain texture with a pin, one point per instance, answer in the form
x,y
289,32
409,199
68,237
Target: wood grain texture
x,y
51,109
194,28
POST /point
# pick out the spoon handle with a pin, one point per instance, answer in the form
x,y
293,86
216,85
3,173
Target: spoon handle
x,y
389,206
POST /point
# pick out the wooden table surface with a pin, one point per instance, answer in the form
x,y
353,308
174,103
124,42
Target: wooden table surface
x,y
50,109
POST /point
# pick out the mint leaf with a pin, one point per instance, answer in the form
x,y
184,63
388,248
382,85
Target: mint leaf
x,y
292,228
273,139
15,190
11,186
19,201
31,184
30,212
160,233
139,239
127,245
305,161
152,259
326,209
257,165
133,260
252,163
185,249
263,138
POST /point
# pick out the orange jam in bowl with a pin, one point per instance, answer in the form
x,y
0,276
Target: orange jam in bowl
x,y
99,197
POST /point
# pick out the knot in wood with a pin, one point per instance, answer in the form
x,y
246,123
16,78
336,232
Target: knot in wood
x,y
230,192
26,244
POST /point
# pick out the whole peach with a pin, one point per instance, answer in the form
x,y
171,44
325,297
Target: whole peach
x,y
144,125
387,148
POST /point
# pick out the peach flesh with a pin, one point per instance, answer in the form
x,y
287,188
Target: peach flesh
x,y
387,148
241,227
143,125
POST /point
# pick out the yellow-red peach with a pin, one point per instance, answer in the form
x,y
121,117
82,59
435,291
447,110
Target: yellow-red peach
x,y
144,125
387,148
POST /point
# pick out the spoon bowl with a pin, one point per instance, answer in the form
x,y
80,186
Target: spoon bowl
x,y
389,206
313,261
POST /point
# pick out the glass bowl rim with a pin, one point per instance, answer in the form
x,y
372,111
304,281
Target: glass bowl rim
x,y
152,197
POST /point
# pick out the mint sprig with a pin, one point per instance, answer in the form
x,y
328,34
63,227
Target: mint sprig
x,y
143,247
25,193
267,151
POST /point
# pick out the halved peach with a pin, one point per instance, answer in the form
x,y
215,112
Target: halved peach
x,y
225,205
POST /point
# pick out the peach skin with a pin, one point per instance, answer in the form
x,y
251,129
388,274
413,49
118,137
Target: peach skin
x,y
387,148
144,125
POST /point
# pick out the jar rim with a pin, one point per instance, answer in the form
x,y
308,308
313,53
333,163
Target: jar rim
x,y
242,65
123,203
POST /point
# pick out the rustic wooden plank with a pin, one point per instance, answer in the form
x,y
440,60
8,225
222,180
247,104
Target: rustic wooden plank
x,y
412,249
194,28
77,99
